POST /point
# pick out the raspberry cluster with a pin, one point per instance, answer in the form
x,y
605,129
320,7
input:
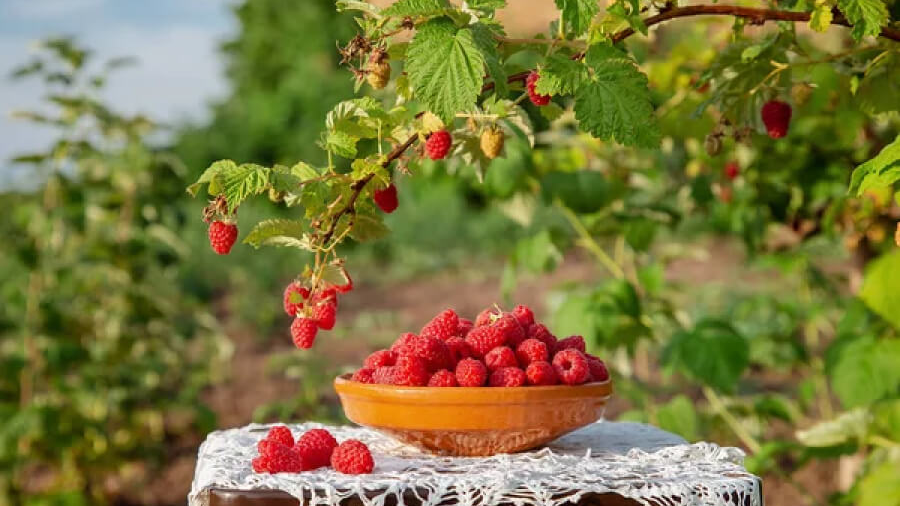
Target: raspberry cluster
x,y
312,311
498,349
316,448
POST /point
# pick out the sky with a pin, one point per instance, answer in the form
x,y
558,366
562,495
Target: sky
x,y
178,70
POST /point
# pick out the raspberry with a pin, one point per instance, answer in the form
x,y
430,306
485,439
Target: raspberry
x,y
283,459
443,326
776,115
471,373
385,375
280,434
732,169
325,314
404,344
465,325
294,295
303,332
315,448
571,342
484,339
597,368
410,371
222,236
541,373
378,71
443,378
536,98
485,317
352,457
492,142
265,447
364,375
499,357
438,144
532,350
380,358
571,366
458,349
386,199
433,351
260,465
513,333
507,377
524,315
539,331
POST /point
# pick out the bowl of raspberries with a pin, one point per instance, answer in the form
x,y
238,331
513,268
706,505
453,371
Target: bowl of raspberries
x,y
499,384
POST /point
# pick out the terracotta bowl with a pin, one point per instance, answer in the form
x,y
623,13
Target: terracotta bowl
x,y
473,421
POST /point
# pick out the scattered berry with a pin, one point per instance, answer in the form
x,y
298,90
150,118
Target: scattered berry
x,y
465,325
513,333
325,314
294,295
385,375
280,434
260,465
492,142
507,377
532,350
539,331
524,315
438,144
378,70
458,349
410,371
500,357
776,115
443,326
536,98
352,457
283,459
541,374
386,199
571,366
222,236
471,373
364,375
732,169
443,378
315,448
571,342
380,358
484,339
597,368
303,332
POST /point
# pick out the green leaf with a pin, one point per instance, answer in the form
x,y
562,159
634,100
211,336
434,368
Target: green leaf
x,y
865,370
821,16
368,226
334,275
445,68
879,89
242,181
417,8
358,5
538,253
847,427
679,416
614,104
712,352
341,144
880,287
486,6
211,176
279,232
560,75
484,39
584,191
867,16
879,172
881,486
577,14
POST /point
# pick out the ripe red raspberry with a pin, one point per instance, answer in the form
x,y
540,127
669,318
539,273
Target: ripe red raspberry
x,y
380,358
303,332
499,357
364,375
732,169
222,236
386,199
280,434
513,333
484,339
352,457
443,326
507,377
315,448
325,314
571,366
410,371
532,350
260,465
404,344
597,368
438,144
294,295
539,331
541,374
458,349
524,315
471,373
776,115
443,378
465,325
486,317
283,459
571,342
265,446
385,375
433,351
536,98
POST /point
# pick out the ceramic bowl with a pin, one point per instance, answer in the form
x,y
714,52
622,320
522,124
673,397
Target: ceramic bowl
x,y
465,421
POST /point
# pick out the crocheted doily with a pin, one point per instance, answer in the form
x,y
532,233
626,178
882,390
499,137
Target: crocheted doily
x,y
633,460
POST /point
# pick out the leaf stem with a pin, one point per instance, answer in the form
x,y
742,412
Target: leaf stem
x,y
736,426
588,243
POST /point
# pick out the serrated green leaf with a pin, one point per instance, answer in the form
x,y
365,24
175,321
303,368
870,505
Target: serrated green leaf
x,y
821,16
867,16
484,39
849,426
242,181
577,14
486,6
334,275
417,8
341,144
865,371
368,227
879,90
445,68
880,286
210,176
712,352
279,232
679,416
614,103
357,5
560,75
879,172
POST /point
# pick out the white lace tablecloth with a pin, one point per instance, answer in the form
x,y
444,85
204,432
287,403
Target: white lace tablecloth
x,y
633,460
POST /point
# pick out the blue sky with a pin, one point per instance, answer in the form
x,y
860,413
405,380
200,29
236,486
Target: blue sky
x,y
175,42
